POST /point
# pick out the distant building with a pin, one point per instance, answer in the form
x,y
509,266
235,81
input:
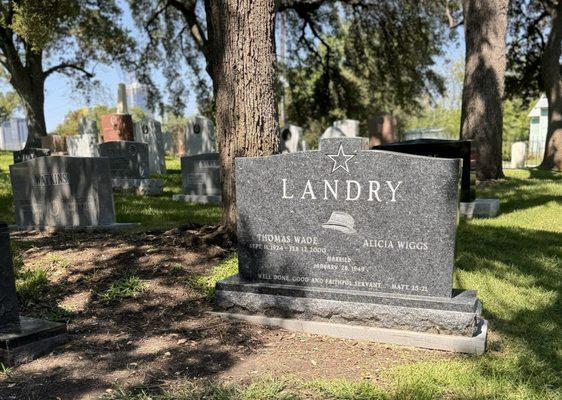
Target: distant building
x,y
538,126
13,134
137,96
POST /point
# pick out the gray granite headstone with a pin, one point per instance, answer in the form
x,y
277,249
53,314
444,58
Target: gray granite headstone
x,y
149,131
201,180
353,236
345,218
62,191
127,159
200,136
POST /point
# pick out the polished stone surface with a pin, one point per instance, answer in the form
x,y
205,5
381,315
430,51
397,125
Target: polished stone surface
x,y
8,299
28,339
444,149
62,191
346,218
29,154
126,159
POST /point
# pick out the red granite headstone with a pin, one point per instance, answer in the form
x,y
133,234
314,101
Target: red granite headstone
x,y
115,127
382,130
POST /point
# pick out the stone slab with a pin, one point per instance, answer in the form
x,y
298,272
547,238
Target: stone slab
x,y
200,176
197,199
142,187
9,311
480,208
29,154
199,137
457,317
62,191
458,344
347,218
84,145
127,159
29,339
149,131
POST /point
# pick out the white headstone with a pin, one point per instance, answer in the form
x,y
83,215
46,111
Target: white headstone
x,y
349,127
331,133
290,139
518,152
149,131
200,136
82,145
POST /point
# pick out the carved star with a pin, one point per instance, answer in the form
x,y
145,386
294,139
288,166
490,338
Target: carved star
x,y
340,160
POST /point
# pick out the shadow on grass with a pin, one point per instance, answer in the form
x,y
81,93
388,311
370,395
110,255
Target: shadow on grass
x,y
518,273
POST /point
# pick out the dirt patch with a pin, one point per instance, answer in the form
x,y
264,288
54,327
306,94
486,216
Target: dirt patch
x,y
165,332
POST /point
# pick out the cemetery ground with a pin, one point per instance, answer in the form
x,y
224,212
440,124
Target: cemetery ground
x,y
137,304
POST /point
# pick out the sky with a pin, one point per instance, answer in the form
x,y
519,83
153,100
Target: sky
x,y
60,97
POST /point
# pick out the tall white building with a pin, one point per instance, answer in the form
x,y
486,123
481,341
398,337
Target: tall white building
x,y
13,134
137,96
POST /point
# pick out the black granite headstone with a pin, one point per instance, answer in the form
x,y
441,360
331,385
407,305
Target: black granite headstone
x,y
8,299
28,154
444,149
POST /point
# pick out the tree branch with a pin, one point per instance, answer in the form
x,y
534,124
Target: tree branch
x,y
65,65
195,28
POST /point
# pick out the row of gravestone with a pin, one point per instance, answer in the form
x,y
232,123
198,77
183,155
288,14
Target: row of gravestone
x,y
344,241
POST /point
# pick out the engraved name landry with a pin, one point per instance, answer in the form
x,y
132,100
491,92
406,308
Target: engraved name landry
x,y
62,178
348,190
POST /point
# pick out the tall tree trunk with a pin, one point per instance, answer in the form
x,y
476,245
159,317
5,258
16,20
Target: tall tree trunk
x,y
552,81
485,23
242,67
29,83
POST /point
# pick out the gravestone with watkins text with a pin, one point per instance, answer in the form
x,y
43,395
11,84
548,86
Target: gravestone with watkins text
x,y
130,167
149,131
60,191
352,242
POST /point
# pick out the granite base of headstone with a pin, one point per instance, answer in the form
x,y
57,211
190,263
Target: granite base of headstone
x,y
480,208
63,192
22,339
149,131
201,180
353,243
129,165
29,154
116,127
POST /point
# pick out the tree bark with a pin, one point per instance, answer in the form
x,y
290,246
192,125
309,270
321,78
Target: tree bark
x,y
485,23
242,67
29,83
552,81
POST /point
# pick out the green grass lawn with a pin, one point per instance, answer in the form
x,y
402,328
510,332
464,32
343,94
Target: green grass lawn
x,y
514,261
151,212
